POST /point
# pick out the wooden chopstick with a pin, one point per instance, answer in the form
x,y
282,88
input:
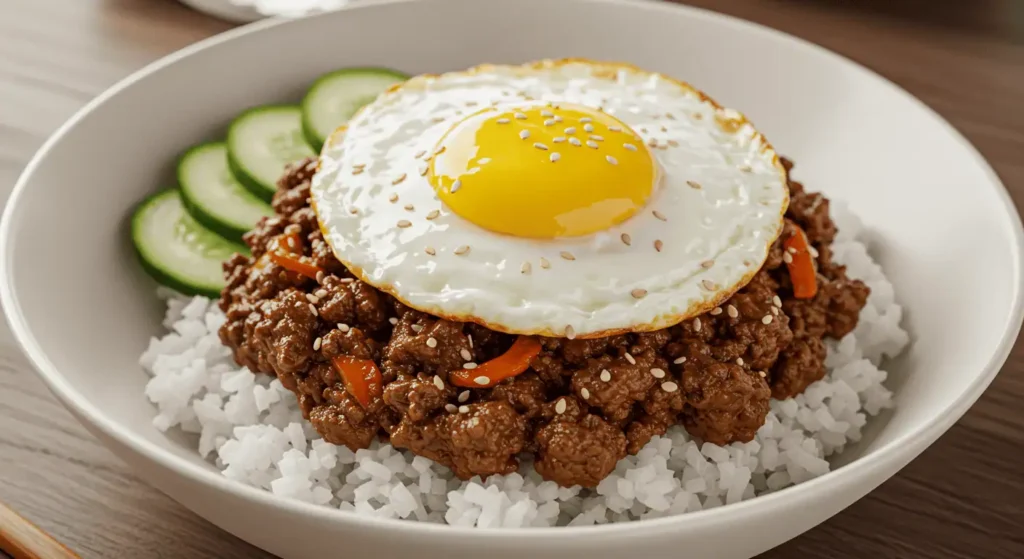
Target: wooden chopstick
x,y
21,539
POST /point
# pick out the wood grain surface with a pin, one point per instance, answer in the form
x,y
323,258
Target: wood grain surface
x,y
964,497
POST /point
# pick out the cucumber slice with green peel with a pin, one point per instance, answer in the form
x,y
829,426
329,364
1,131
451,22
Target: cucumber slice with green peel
x,y
334,98
176,250
261,142
214,197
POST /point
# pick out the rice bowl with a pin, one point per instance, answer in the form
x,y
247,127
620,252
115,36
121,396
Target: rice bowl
x,y
933,385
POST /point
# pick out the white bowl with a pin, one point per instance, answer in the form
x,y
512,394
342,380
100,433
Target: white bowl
x,y
944,230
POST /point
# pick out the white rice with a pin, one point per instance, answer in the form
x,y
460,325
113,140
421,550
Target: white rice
x,y
250,427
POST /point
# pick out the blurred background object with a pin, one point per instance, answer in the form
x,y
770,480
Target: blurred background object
x,y
244,11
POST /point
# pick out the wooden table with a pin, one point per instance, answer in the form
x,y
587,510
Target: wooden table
x,y
964,497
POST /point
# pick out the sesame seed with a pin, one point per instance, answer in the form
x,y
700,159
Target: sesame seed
x,y
696,324
544,263
466,355
605,375
670,116
391,198
525,268
658,373
420,154
733,313
320,276
679,361
716,311
653,142
438,119
555,156
484,160
481,380
592,144
745,168
658,244
433,214
762,374
357,171
403,223
312,309
431,343
547,113
291,242
463,396
567,255
520,116
430,251
540,146
462,250
586,119
549,122
559,139
709,285
316,344
451,408
343,327
347,280
615,128
629,146
638,293
813,251
353,211
693,184
423,170
698,116
673,143
659,215
739,361
469,338
409,207
663,129
585,393
629,357
440,150
611,160
776,301
570,130
626,239
503,121
669,386
570,332
393,320
312,298
588,127
775,311
787,258
321,293
524,134
438,382
707,264
575,141
560,406
399,179
792,250
558,118
469,365
767,319
463,409
417,328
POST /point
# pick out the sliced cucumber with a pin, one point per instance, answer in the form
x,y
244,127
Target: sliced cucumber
x,y
212,194
261,142
334,98
176,250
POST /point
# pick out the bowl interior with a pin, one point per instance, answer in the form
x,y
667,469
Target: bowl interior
x,y
939,219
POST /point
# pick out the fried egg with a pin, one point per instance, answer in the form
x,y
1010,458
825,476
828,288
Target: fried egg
x,y
558,198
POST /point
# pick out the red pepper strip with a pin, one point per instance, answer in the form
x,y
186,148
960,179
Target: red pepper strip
x,y
362,378
509,364
801,265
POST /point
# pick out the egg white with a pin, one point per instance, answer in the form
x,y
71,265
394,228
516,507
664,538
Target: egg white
x,y
720,201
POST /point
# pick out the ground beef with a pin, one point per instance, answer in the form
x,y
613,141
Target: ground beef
x,y
582,405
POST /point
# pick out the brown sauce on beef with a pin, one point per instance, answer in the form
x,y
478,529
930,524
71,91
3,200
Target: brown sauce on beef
x,y
583,404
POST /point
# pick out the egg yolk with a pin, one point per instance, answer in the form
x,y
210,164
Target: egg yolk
x,y
542,170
